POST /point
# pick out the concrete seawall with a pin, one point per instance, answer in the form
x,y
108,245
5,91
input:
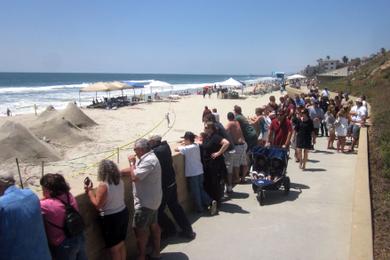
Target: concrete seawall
x,y
361,232
361,246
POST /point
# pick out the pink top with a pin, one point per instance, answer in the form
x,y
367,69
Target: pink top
x,y
53,210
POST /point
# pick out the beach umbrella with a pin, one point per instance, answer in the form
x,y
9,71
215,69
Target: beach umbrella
x,y
118,85
102,87
97,87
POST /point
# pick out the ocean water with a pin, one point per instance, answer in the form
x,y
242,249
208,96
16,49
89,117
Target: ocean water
x,y
20,91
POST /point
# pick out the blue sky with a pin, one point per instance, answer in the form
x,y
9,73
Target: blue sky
x,y
199,37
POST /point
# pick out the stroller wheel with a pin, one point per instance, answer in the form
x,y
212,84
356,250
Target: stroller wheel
x,y
254,187
286,185
260,197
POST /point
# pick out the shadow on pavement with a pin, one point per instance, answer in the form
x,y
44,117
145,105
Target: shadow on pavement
x,y
177,239
314,170
298,186
313,161
232,208
276,197
238,195
174,255
322,151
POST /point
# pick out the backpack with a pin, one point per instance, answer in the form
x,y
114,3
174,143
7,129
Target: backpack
x,y
73,224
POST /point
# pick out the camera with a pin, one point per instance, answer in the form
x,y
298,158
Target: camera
x,y
87,181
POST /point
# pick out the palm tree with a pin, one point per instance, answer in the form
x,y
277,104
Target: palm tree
x,y
345,59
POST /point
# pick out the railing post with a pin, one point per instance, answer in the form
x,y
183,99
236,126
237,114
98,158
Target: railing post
x,y
20,176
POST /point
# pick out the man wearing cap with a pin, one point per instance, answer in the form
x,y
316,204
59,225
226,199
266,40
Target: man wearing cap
x,y
22,233
146,177
317,115
358,115
169,188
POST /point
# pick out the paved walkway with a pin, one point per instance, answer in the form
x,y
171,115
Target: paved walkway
x,y
312,222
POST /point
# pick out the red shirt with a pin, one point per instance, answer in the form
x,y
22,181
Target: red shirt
x,y
280,131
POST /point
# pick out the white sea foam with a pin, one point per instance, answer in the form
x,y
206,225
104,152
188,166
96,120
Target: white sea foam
x,y
12,90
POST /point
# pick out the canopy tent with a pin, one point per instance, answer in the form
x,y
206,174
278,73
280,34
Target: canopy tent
x,y
158,84
230,83
296,76
137,83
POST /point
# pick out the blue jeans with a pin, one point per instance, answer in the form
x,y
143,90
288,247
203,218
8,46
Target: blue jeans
x,y
72,248
198,193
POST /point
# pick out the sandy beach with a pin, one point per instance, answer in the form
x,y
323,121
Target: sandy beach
x,y
119,129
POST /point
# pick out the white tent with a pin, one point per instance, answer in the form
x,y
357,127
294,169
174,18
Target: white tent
x,y
230,83
296,76
159,85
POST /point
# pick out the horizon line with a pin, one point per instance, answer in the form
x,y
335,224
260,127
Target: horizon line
x,y
144,73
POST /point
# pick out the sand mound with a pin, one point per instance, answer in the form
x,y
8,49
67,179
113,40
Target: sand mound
x,y
59,130
49,112
74,114
16,141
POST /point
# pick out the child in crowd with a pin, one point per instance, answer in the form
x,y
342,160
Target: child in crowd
x,y
194,174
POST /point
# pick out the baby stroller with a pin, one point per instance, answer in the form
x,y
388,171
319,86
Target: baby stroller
x,y
268,171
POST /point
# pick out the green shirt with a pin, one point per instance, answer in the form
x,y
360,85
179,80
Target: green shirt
x,y
248,131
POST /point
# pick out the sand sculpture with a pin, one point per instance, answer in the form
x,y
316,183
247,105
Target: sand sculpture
x,y
16,141
74,114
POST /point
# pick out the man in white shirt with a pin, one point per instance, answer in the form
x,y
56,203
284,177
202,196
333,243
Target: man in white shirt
x,y
147,191
325,93
358,115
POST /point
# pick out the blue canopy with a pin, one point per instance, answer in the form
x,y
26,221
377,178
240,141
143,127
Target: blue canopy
x,y
137,84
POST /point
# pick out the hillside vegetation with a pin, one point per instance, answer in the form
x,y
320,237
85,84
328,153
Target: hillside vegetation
x,y
373,81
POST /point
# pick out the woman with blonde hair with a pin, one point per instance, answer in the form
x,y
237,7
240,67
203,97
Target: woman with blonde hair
x,y
110,201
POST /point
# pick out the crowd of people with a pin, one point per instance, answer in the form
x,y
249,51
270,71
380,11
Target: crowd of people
x,y
216,160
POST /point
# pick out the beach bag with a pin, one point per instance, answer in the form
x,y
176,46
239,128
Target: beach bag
x,y
73,224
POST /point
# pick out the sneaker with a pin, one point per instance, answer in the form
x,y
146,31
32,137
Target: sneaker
x,y
229,189
213,208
